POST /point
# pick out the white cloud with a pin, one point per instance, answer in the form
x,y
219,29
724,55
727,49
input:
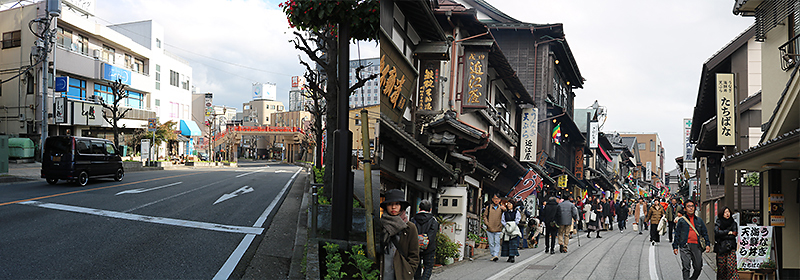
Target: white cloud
x,y
229,44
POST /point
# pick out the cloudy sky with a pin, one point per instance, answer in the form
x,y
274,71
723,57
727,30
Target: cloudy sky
x,y
229,44
641,59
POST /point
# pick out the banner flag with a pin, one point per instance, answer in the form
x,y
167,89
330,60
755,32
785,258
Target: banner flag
x,y
526,185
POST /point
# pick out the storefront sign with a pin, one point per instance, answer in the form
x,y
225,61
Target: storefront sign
x,y
725,108
475,79
396,81
688,148
87,114
776,217
649,168
562,181
428,85
113,73
60,108
594,131
527,151
754,246
579,163
526,185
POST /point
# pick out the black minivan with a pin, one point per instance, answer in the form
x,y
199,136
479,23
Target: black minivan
x,y
79,158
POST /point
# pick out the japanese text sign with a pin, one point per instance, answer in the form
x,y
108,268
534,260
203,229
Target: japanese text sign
x,y
428,84
527,151
754,245
688,147
526,185
475,79
579,163
725,110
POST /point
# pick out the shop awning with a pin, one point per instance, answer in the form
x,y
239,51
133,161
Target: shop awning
x,y
190,128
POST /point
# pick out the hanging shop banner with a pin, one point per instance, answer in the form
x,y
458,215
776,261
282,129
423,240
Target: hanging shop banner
x,y
726,120
562,181
60,108
428,85
648,176
527,151
776,217
594,131
209,107
475,79
396,81
688,148
754,246
579,163
526,185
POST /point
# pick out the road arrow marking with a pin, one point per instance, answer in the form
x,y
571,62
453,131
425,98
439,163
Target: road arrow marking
x,y
134,191
227,196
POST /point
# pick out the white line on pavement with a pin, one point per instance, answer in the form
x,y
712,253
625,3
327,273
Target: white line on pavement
x,y
149,219
652,257
147,190
227,269
516,266
248,173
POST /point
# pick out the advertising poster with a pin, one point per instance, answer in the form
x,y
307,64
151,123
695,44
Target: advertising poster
x,y
754,245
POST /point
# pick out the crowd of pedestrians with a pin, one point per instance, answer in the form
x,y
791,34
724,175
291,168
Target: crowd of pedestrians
x,y
408,245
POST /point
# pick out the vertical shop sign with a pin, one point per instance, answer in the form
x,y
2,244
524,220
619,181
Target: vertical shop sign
x,y
725,108
688,148
579,163
428,85
527,152
475,80
754,246
776,217
594,131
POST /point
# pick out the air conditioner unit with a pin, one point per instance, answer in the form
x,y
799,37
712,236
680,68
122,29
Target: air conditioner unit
x,y
97,53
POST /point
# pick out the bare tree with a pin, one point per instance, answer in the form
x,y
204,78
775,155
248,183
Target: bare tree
x,y
119,93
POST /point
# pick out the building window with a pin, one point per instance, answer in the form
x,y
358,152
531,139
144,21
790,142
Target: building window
x,y
158,77
128,61
642,146
185,84
64,38
158,102
652,146
158,43
138,65
83,45
108,54
104,92
77,89
174,78
12,39
135,99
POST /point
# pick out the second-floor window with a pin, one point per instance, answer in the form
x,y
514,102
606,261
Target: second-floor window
x,y
77,89
109,54
82,44
64,38
138,65
158,77
174,78
559,90
12,39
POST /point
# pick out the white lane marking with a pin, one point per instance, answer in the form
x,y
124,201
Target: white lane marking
x,y
242,190
653,273
227,269
149,219
516,266
282,171
248,173
147,190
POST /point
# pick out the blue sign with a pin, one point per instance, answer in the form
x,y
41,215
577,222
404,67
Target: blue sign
x,y
62,84
113,73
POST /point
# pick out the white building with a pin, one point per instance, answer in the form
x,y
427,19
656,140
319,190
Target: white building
x,y
369,94
90,55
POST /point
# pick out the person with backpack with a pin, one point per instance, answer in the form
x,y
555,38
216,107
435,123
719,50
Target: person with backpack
x,y
427,229
550,213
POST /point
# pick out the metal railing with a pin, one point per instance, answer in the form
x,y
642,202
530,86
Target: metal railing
x,y
789,60
503,126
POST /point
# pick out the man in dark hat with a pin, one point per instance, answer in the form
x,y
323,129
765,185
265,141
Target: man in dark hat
x,y
399,239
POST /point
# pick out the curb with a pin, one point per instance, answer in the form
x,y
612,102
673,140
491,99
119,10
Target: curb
x,y
301,235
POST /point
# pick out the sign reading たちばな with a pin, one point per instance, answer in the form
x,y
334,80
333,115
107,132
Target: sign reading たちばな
x,y
754,246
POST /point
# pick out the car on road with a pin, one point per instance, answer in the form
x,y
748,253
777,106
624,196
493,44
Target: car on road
x,y
80,158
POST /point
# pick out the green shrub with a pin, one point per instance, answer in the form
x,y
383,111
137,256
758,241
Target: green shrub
x,y
366,267
319,173
333,262
445,248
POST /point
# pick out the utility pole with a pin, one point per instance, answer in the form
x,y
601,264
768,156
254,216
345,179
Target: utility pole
x,y
342,192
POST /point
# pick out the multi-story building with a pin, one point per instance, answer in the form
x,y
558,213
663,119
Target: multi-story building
x,y
373,114
297,97
369,94
260,112
651,155
299,146
90,56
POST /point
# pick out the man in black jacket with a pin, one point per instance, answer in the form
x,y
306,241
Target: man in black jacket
x,y
426,224
550,216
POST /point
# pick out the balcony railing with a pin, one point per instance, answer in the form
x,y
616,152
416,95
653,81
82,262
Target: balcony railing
x,y
790,52
491,114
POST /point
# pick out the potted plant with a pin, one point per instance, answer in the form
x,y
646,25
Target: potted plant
x,y
446,250
767,267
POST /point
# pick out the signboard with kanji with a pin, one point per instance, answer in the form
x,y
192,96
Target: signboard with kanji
x,y
725,110
562,181
152,123
527,151
428,85
397,79
776,217
688,147
475,79
754,246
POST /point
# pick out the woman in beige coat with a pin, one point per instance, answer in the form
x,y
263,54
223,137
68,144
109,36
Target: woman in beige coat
x,y
654,217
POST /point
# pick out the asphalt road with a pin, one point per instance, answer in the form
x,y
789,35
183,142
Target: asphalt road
x,y
192,223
